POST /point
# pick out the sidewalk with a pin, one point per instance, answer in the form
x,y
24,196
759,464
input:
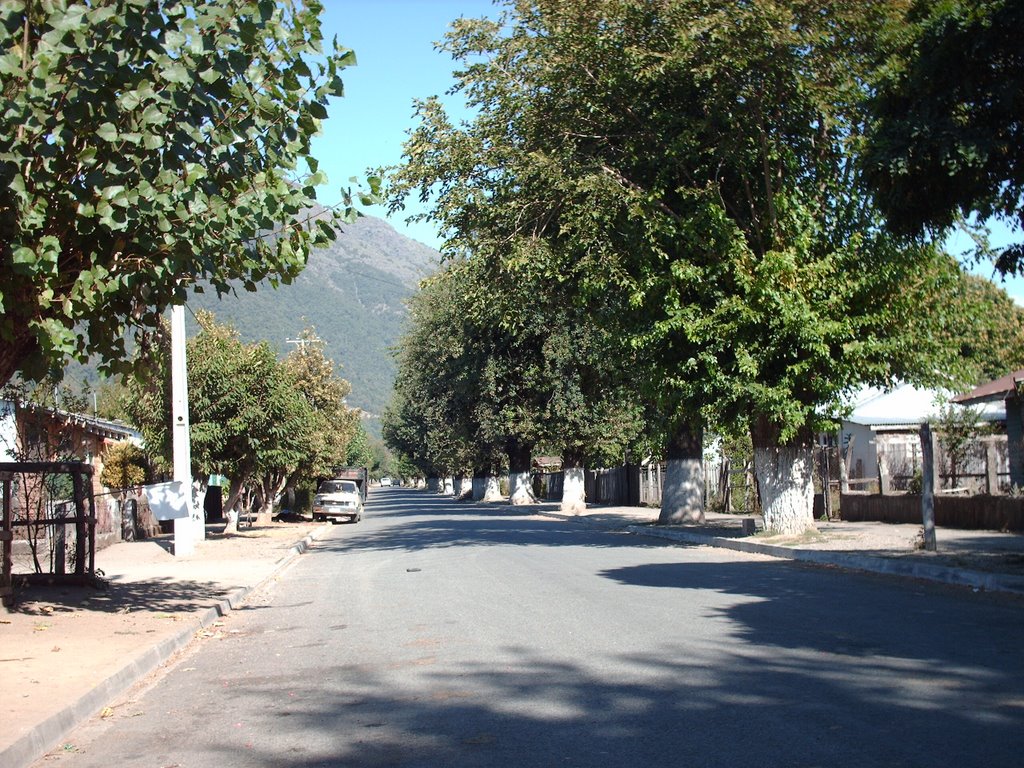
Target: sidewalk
x,y
68,653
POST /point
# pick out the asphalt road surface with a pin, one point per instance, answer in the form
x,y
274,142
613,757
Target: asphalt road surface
x,y
442,634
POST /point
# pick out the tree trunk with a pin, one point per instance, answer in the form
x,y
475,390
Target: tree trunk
x,y
434,484
574,489
230,506
265,515
682,499
463,487
785,480
519,479
492,488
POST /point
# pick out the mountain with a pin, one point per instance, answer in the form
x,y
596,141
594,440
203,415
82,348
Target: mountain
x,y
352,293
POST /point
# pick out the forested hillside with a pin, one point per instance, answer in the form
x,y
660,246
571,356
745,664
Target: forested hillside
x,y
353,295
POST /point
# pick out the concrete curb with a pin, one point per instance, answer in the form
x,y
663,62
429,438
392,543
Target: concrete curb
x,y
943,574
49,733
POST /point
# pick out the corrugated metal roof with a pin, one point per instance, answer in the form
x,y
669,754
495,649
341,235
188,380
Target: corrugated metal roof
x,y
907,405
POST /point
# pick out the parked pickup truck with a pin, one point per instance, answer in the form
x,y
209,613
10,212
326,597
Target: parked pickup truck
x,y
338,499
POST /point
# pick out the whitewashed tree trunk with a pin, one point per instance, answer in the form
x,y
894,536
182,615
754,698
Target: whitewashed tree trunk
x,y
449,485
521,488
492,489
520,480
463,487
574,491
785,477
479,486
682,499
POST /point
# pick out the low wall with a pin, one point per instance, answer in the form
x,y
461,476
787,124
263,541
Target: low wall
x,y
988,513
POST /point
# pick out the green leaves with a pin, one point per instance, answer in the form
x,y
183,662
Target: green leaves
x,y
697,159
154,141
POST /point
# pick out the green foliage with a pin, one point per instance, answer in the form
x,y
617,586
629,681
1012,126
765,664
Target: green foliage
x,y
946,138
497,363
359,452
689,167
989,329
147,146
256,419
333,425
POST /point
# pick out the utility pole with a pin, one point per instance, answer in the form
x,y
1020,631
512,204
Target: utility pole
x,y
187,530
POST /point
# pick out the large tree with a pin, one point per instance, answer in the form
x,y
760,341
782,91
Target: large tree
x,y
249,420
146,147
696,157
947,137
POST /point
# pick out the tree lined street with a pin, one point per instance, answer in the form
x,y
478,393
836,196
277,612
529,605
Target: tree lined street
x,y
436,633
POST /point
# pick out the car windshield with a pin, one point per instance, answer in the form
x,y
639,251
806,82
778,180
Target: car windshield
x,y
338,486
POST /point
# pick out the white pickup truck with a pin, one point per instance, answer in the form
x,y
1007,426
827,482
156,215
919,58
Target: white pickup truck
x,y
338,499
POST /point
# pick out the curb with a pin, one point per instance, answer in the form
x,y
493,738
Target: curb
x,y
47,734
953,576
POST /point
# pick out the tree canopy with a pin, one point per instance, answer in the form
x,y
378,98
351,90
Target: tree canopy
x,y
946,138
145,147
260,421
699,160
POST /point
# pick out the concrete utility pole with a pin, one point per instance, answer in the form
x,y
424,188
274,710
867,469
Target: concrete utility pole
x,y
187,530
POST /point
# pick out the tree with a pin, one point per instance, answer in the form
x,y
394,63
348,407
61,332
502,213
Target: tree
x,y
124,468
989,330
359,452
698,158
248,419
145,147
946,138
336,428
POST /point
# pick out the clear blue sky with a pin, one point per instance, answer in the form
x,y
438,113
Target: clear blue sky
x,y
397,63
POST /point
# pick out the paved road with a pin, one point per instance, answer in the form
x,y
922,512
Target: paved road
x,y
440,634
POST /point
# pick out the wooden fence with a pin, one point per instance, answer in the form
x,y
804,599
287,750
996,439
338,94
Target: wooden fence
x,y
53,524
990,513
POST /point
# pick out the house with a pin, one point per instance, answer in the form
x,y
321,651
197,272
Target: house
x,y
36,433
889,421
1005,393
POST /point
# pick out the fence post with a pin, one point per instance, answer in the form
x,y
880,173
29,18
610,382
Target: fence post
x,y
7,541
884,486
928,486
991,468
826,483
844,464
80,522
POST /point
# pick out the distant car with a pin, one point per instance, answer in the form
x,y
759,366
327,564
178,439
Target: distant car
x,y
338,499
386,482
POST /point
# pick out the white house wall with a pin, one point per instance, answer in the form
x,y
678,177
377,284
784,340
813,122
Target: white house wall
x,y
8,432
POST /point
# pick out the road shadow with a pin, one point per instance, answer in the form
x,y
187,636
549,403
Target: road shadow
x,y
679,706
793,605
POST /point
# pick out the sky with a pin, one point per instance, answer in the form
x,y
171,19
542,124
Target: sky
x,y
397,63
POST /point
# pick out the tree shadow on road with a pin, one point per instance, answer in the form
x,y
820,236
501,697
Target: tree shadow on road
x,y
680,705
